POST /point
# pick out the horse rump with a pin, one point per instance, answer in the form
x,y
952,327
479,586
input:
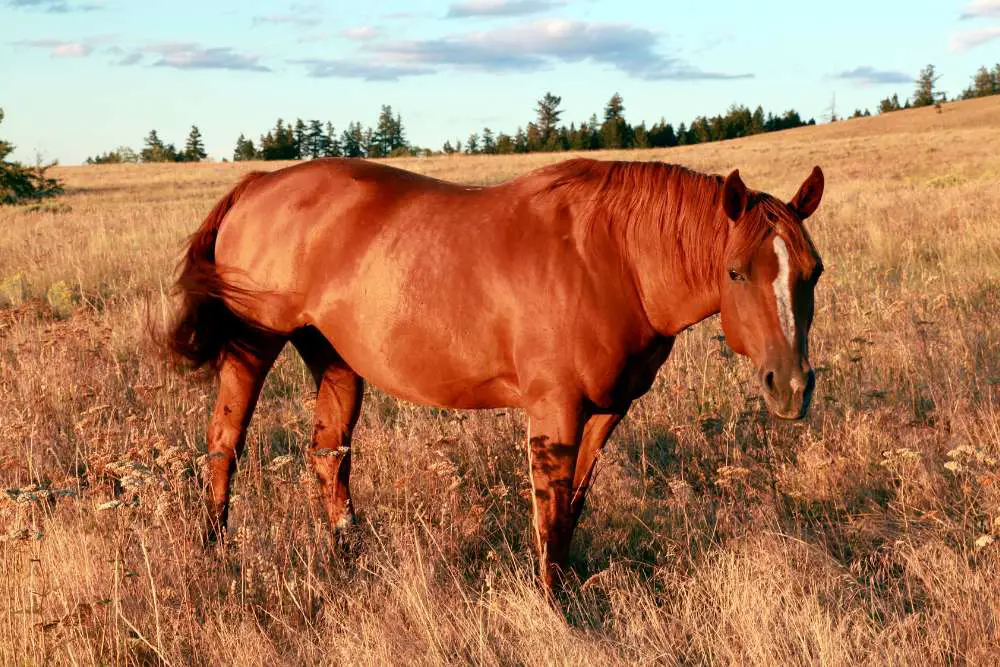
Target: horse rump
x,y
204,329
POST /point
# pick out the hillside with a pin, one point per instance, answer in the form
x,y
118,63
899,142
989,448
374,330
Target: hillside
x,y
868,534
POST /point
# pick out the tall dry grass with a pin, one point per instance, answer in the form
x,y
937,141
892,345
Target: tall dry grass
x,y
713,535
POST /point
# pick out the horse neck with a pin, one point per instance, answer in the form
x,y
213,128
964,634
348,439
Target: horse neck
x,y
675,253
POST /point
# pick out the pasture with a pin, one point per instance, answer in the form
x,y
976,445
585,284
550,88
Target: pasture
x,y
867,534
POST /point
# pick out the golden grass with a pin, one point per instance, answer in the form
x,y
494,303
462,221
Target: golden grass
x,y
713,535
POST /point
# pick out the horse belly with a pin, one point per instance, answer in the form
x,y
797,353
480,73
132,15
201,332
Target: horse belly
x,y
423,356
428,374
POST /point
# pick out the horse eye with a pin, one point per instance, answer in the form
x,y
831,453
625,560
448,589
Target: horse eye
x,y
736,276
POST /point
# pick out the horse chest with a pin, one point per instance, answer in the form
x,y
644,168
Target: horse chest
x,y
634,378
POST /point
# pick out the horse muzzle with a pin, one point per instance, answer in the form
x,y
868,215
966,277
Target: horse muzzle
x,y
787,390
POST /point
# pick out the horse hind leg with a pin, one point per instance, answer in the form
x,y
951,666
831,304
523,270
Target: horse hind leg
x,y
241,376
339,393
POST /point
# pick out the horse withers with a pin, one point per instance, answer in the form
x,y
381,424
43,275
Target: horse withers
x,y
559,292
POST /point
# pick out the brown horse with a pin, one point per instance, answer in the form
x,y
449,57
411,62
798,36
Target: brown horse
x,y
559,292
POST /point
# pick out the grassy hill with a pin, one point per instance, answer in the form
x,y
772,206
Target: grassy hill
x,y
713,534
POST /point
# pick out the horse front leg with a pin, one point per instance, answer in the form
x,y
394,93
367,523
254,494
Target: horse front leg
x,y
596,433
553,446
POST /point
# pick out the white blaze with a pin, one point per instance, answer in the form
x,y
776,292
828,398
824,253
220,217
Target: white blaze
x,y
783,291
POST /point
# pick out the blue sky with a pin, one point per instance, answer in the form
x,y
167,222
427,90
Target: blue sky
x,y
79,77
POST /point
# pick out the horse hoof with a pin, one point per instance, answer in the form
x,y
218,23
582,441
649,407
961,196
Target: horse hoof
x,y
346,523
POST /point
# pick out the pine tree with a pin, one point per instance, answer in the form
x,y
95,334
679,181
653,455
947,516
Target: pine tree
x,y
156,150
889,104
389,137
279,143
299,140
331,144
350,140
640,136
614,130
489,142
369,146
983,83
699,132
19,183
194,148
924,95
561,142
757,120
548,113
533,138
313,142
682,135
244,150
595,140
472,144
397,137
661,135
505,144
520,141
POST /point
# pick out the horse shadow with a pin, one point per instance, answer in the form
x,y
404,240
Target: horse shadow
x,y
674,498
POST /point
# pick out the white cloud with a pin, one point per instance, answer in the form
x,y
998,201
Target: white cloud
x,y
360,33
535,45
188,55
478,8
54,6
969,39
59,48
866,75
368,70
981,9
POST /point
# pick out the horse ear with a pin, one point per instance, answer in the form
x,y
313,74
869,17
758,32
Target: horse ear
x,y
734,196
806,200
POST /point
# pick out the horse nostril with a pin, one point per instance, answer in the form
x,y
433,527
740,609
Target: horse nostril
x,y
769,381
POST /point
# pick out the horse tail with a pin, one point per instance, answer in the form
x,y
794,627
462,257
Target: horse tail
x,y
205,327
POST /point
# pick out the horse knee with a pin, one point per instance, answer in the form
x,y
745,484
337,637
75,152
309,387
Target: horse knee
x,y
327,461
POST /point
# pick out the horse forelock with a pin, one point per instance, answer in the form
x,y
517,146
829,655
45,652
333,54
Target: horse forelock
x,y
774,216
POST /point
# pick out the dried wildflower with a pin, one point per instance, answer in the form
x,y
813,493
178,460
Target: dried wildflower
x,y
728,475
35,493
971,455
280,462
681,490
13,290
901,454
61,299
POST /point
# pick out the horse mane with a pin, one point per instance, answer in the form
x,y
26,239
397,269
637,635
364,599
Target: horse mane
x,y
643,202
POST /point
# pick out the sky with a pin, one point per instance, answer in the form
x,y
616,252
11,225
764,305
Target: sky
x,y
81,77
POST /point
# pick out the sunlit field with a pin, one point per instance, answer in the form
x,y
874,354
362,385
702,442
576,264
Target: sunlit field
x,y
867,534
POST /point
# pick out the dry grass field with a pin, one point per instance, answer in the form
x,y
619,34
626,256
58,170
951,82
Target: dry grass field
x,y
713,535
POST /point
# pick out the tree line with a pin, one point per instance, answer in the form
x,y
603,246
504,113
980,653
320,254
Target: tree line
x,y
314,139
985,82
156,150
310,139
611,130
